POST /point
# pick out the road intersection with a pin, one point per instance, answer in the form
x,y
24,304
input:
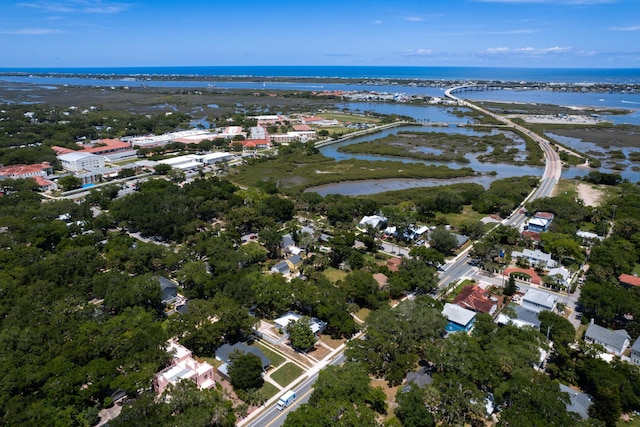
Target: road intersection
x,y
455,270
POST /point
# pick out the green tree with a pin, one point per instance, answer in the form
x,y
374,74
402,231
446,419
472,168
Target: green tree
x,y
443,241
245,371
511,287
300,334
411,410
361,288
161,169
69,182
396,339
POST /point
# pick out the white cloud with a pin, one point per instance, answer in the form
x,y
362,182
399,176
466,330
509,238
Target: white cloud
x,y
418,52
526,50
378,22
78,6
414,19
31,31
629,28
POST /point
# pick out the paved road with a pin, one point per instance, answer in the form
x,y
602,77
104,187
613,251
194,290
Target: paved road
x,y
553,169
453,270
272,417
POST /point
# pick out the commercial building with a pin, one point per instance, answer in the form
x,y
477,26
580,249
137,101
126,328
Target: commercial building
x,y
80,161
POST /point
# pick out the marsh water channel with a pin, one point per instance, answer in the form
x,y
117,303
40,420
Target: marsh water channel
x,y
429,115
489,171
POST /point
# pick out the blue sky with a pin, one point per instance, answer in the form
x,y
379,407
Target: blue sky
x,y
491,33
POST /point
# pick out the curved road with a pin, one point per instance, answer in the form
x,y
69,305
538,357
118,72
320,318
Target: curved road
x,y
272,418
553,166
552,171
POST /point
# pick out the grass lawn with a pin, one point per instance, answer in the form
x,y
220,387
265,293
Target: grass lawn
x,y
212,361
333,343
286,373
275,358
269,390
344,117
362,314
334,274
567,186
635,422
451,295
468,214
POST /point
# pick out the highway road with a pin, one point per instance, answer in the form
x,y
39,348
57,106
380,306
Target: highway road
x,y
458,267
453,270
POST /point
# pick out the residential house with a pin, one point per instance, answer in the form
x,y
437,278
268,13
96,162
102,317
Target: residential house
x,y
317,325
281,268
579,402
531,235
374,221
461,239
393,264
560,277
224,352
614,342
635,352
523,318
381,279
588,237
420,378
540,222
460,319
535,257
169,290
629,280
184,367
537,301
171,299
473,297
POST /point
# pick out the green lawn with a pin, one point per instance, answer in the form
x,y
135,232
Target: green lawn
x,y
363,313
636,269
286,373
634,423
275,358
269,390
333,274
343,117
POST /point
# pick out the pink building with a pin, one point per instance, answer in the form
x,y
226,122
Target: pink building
x,y
184,366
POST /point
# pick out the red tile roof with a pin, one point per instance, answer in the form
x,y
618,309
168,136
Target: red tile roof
x,y
531,234
61,150
393,264
41,181
105,145
23,170
473,297
628,279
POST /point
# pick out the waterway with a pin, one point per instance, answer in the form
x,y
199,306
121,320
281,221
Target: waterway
x,y
490,171
425,114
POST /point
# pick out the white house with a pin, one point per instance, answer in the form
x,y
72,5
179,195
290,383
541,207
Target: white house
x,y
77,161
535,257
635,352
375,221
537,301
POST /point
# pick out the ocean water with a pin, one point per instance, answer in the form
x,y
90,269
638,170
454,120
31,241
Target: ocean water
x,y
560,75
